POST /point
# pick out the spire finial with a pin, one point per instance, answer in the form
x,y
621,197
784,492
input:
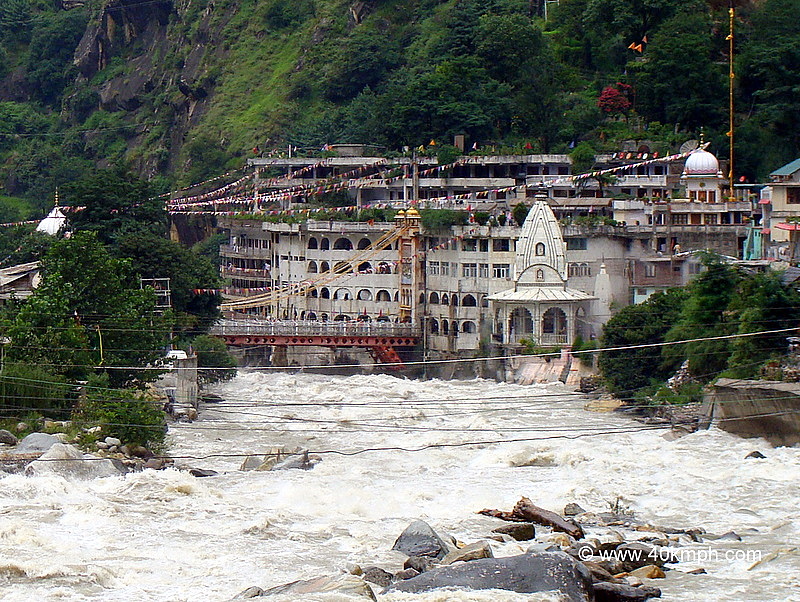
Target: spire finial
x,y
702,135
56,196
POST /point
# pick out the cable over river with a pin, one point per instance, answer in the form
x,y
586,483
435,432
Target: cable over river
x,y
392,451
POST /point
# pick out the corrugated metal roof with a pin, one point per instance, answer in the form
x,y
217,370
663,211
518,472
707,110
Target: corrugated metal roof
x,y
787,169
790,275
532,294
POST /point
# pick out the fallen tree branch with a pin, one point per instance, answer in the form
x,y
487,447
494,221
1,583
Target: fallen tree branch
x,y
526,511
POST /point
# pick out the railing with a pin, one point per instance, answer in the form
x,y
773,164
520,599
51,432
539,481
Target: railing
x,y
229,250
543,340
239,272
311,328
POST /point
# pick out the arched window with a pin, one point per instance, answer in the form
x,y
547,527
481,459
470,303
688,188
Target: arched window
x,y
433,325
324,293
484,301
539,275
554,321
323,317
365,267
383,296
445,327
364,243
468,326
341,267
312,243
342,294
396,296
422,298
312,267
314,293
343,244
324,267
454,328
384,268
454,300
434,298
520,322
539,249
341,318
469,301
311,316
445,299
325,244
365,295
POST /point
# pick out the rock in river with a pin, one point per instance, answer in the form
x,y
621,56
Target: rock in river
x,y
526,573
7,437
419,539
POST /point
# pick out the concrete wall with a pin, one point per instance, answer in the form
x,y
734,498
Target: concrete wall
x,y
757,408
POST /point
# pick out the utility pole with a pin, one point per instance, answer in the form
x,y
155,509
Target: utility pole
x,y
731,80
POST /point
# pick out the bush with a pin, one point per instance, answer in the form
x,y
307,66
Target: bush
x,y
25,388
213,359
127,415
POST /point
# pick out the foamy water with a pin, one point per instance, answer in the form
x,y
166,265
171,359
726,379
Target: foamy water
x,y
170,536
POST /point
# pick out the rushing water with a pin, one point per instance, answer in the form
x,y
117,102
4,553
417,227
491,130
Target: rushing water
x,y
169,536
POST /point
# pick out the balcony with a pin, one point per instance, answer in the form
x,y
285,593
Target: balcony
x,y
233,272
239,251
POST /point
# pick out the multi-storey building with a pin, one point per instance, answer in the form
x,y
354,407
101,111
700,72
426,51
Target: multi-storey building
x,y
616,252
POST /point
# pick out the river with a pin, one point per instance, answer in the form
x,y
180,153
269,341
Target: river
x,y
166,535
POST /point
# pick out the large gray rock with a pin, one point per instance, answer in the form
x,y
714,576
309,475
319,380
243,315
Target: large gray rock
x,y
617,592
517,531
35,443
7,437
526,573
474,551
343,584
419,539
68,461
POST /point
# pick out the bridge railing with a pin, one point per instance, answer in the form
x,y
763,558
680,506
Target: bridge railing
x,y
311,328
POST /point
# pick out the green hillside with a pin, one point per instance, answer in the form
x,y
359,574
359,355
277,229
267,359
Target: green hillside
x,y
178,91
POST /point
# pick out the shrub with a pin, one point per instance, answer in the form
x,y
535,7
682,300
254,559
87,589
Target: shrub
x,y
26,388
213,359
127,415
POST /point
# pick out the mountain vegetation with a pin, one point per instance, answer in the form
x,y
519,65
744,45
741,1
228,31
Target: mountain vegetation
x,y
176,91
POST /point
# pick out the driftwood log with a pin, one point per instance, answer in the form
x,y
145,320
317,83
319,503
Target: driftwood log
x,y
526,511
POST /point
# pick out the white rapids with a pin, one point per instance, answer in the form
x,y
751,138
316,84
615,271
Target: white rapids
x,y
166,535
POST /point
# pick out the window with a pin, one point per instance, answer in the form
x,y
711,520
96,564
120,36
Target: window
x,y
650,270
433,268
469,270
577,244
539,249
364,243
793,196
501,270
711,218
501,244
445,268
469,301
680,219
343,244
312,243
484,245
365,295
469,244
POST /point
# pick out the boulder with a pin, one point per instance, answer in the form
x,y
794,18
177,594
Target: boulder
x,y
650,571
406,574
301,461
618,592
377,575
419,563
634,555
68,461
202,472
22,426
35,443
598,572
250,592
7,438
526,573
518,531
113,441
474,551
154,463
349,585
755,454
419,539
251,463
573,509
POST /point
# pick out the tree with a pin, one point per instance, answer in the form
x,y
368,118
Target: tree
x,y
116,205
88,315
153,256
705,314
627,370
614,100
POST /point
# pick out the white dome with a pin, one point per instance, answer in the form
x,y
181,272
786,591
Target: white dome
x,y
701,163
53,223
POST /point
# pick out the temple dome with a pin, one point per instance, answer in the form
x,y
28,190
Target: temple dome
x,y
701,163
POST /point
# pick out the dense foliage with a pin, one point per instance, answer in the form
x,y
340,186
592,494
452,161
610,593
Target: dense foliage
x,y
389,72
722,300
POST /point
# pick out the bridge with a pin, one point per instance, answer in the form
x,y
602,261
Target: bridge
x,y
381,339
